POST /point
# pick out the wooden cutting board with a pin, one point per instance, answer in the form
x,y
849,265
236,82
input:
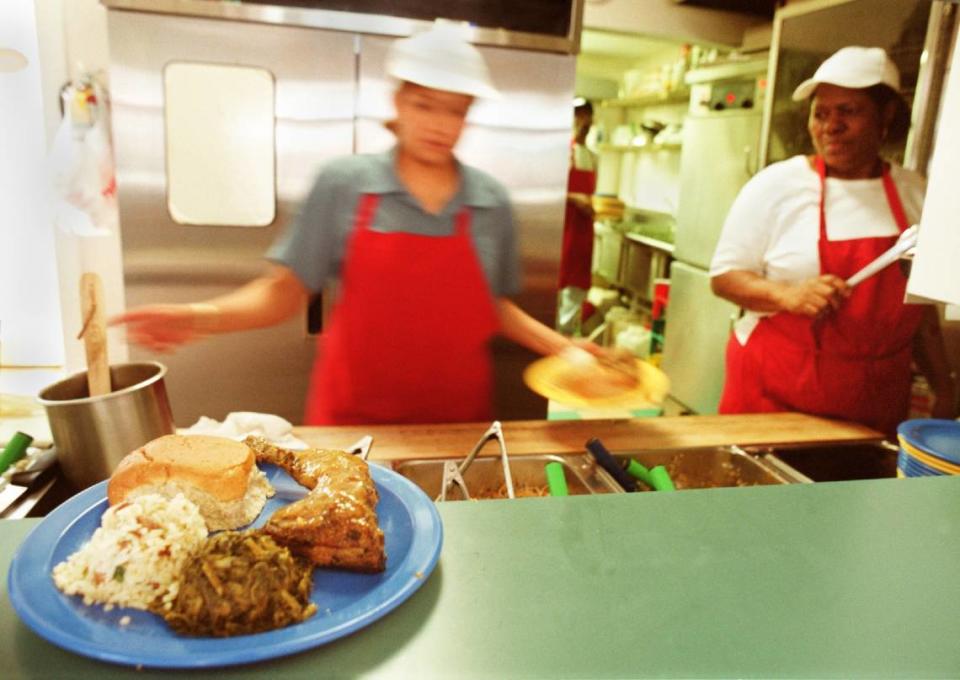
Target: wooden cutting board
x,y
398,442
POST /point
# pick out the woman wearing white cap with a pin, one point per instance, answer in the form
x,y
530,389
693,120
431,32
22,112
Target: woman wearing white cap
x,y
798,230
423,246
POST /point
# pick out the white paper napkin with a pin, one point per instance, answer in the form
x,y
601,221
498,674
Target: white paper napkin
x,y
239,424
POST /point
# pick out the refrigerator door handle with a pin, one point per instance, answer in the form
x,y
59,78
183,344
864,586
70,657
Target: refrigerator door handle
x,y
749,167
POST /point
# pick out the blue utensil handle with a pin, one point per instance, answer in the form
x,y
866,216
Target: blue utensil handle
x,y
610,464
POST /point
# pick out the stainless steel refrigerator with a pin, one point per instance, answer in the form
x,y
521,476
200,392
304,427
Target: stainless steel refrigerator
x,y
320,74
721,136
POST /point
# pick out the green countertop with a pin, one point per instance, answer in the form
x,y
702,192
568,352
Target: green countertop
x,y
838,579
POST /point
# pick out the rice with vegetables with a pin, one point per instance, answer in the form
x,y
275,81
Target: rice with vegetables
x,y
136,557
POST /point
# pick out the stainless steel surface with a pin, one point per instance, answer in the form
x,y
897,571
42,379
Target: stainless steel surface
x,y
695,339
707,468
941,30
354,21
92,434
10,494
264,370
783,468
832,463
485,478
331,100
719,152
21,476
711,468
454,474
713,171
23,508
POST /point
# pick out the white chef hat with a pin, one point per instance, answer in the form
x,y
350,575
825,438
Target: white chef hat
x,y
853,67
443,59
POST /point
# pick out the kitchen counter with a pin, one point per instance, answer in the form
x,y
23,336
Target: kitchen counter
x,y
405,442
845,579
400,442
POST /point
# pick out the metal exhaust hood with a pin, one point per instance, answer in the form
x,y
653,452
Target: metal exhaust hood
x,y
762,8
539,25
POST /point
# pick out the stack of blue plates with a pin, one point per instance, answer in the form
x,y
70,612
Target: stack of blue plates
x,y
929,447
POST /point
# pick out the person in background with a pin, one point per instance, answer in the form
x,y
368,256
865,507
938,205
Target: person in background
x,y
577,254
797,231
425,251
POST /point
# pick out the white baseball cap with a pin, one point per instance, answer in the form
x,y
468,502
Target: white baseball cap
x,y
853,67
443,59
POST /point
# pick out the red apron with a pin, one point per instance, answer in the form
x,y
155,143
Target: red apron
x,y
852,364
577,254
408,341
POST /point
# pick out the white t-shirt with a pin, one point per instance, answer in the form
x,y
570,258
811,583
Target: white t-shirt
x,y
583,158
773,227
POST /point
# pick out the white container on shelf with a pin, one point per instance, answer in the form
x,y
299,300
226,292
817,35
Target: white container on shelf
x,y
608,173
635,339
606,252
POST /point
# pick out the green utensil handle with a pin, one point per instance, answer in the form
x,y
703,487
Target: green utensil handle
x,y
638,471
660,479
556,480
14,450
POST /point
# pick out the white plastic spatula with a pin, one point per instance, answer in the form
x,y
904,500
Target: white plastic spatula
x,y
94,334
907,240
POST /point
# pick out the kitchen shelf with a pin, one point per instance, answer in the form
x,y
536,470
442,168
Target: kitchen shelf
x,y
638,149
678,97
650,242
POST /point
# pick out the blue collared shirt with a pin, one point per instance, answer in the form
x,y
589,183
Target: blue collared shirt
x,y
314,243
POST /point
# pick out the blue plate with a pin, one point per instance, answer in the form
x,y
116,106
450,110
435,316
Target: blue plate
x,y
911,467
345,601
940,438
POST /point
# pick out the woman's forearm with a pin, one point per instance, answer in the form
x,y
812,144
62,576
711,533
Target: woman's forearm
x,y
810,297
523,329
265,301
749,290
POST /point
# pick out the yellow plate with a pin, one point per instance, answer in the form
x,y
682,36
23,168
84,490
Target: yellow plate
x,y
557,379
928,460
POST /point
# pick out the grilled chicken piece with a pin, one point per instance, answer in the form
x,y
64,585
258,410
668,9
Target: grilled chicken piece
x,y
335,524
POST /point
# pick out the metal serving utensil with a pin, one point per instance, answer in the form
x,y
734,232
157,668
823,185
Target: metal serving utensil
x,y
906,241
452,476
453,473
361,447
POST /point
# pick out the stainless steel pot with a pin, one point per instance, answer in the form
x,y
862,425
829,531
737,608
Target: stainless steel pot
x,y
92,434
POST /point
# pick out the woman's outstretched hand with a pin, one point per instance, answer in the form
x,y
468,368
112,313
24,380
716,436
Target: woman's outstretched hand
x,y
163,328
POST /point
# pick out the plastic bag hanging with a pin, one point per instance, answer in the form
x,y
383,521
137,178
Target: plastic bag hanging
x,y
85,216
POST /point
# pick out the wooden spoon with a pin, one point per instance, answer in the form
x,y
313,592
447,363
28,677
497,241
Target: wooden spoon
x,y
94,334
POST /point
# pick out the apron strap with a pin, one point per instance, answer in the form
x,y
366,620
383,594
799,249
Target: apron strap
x,y
821,167
893,198
462,221
366,207
889,188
